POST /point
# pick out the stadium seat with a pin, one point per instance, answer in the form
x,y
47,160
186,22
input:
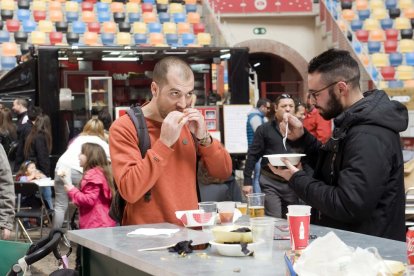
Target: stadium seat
x,y
387,23
110,1
409,13
372,70
388,73
25,48
13,25
55,6
72,16
124,27
405,72
55,38
88,16
204,39
39,15
38,5
133,17
390,46
179,17
405,4
23,14
156,39
109,27
356,25
406,45
390,4
149,17
139,28
71,6
20,37
409,58
187,38
199,28
193,2
406,33
104,16
117,7
45,26
154,27
140,38
409,83
147,7
9,49
94,27
377,35
190,8
164,17
107,38
87,6
371,24
123,38
6,15
131,7
119,17
391,34
172,39
374,47
90,38
364,14
402,23
394,13
102,7
29,26
176,8
356,45
169,28
347,15
23,4
4,36
61,27
193,17
72,38
162,8
395,59
8,63
183,27
163,2
395,84
380,13
346,5
362,35
379,59
78,27
55,16
38,38
376,4
361,5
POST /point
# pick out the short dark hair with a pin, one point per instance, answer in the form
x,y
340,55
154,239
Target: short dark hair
x,y
161,69
22,101
336,65
106,118
262,101
283,96
33,112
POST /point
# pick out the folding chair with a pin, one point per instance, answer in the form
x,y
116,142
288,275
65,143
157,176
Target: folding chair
x,y
38,211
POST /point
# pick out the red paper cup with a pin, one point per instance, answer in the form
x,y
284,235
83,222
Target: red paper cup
x,y
299,231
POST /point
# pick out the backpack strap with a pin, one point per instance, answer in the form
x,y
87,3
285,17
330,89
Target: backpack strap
x,y
144,142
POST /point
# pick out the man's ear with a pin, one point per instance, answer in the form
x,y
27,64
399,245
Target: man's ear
x,y
154,89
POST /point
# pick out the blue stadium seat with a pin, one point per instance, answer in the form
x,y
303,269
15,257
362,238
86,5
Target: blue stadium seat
x,y
107,38
23,14
179,17
29,26
104,16
374,46
140,38
72,16
357,47
364,14
395,59
164,17
187,38
390,4
8,63
409,58
395,84
356,24
373,72
102,7
387,23
78,27
4,36
149,1
133,17
172,39
154,27
190,8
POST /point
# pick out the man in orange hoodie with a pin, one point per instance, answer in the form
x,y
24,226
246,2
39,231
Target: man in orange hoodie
x,y
169,166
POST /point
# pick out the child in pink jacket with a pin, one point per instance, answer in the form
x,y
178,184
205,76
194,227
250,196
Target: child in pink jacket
x,y
94,195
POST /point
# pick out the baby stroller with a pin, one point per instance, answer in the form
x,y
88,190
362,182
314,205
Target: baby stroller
x,y
41,249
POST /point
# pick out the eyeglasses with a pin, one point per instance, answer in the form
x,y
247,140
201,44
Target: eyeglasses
x,y
314,94
285,96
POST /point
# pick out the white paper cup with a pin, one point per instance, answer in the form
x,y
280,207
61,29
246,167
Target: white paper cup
x,y
299,210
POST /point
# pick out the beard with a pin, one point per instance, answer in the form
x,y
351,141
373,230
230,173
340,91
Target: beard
x,y
334,107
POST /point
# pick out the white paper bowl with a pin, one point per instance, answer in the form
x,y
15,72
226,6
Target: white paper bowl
x,y
276,159
233,250
223,234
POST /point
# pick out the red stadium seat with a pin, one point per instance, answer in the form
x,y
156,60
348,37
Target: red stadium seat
x,y
94,27
391,34
55,37
390,46
198,28
362,35
39,15
12,25
388,72
87,6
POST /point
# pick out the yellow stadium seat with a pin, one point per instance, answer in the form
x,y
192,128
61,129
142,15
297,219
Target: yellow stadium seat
x,y
405,72
375,4
382,85
45,26
88,16
404,4
55,6
139,28
406,45
38,5
71,6
348,15
133,1
204,39
183,28
176,8
156,39
149,17
380,13
169,28
192,2
193,17
8,5
106,1
402,23
90,38
132,7
109,27
123,38
377,35
38,37
8,49
379,59
371,24
361,5
163,2
409,83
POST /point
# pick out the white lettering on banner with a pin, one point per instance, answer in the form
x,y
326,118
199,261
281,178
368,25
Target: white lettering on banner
x,y
120,76
260,4
410,246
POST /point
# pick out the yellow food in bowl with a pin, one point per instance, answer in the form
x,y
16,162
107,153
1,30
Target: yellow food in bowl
x,y
223,234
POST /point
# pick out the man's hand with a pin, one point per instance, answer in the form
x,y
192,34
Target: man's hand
x,y
247,190
285,173
5,235
295,126
196,122
171,127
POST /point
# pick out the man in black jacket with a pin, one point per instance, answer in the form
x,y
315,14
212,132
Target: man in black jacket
x,y
358,183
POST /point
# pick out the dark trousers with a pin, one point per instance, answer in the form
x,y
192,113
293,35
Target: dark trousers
x,y
278,196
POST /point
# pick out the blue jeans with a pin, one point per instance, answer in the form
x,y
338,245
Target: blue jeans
x,y
256,176
47,196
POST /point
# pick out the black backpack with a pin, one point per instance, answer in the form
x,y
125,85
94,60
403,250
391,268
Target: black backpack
x,y
116,210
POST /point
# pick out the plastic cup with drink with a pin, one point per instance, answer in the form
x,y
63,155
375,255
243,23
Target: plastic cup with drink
x,y
255,203
299,221
210,210
262,232
226,211
242,207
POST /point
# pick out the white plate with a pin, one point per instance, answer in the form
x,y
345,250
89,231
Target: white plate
x,y
233,250
276,159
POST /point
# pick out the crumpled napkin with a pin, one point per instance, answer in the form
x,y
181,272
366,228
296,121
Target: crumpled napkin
x,y
152,232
